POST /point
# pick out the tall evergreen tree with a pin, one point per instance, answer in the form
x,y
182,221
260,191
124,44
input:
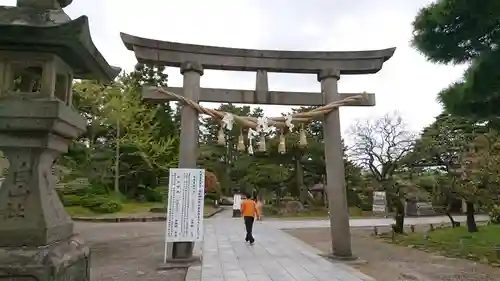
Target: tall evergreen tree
x,y
464,31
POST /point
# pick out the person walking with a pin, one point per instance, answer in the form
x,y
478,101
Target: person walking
x,y
250,212
260,207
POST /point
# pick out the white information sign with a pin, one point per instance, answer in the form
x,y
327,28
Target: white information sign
x,y
237,202
185,205
379,202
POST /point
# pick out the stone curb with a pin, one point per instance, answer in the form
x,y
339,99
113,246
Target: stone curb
x,y
120,219
134,219
194,272
220,209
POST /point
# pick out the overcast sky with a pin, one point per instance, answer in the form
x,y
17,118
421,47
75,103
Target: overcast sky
x,y
407,83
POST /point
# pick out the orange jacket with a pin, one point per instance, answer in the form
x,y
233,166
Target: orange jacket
x,y
249,208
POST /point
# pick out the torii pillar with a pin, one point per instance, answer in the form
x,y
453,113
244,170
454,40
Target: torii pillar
x,y
335,173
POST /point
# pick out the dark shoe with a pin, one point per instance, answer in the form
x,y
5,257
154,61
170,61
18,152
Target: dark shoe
x,y
251,242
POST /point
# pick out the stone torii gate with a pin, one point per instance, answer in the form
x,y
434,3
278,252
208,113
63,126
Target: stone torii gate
x,y
193,59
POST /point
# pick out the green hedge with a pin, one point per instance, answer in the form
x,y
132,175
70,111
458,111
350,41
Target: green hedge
x,y
212,196
95,203
71,200
95,198
270,210
111,206
157,194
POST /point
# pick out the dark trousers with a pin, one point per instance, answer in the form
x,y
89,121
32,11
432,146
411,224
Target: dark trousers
x,y
249,227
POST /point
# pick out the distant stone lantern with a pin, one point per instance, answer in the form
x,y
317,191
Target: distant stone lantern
x,y
41,51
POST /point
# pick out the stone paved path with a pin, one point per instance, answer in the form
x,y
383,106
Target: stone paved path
x,y
277,256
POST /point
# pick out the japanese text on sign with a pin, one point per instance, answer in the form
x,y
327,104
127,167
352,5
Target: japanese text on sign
x,y
185,205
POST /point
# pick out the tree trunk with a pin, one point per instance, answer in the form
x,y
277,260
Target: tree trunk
x,y
395,200
471,221
453,223
447,212
117,158
300,181
278,198
400,216
133,190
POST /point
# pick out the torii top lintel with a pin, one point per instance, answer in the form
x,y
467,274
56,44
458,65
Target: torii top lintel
x,y
174,54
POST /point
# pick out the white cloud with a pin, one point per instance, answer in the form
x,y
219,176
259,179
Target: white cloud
x,y
407,82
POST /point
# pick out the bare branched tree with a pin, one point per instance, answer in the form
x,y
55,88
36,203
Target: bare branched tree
x,y
380,145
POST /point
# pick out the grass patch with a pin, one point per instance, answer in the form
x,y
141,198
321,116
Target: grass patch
x,y
132,208
458,243
208,209
320,214
79,211
129,208
313,214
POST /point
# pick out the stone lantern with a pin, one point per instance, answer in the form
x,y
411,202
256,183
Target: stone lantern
x,y
41,51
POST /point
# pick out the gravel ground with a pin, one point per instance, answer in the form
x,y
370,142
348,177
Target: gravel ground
x,y
127,251
386,262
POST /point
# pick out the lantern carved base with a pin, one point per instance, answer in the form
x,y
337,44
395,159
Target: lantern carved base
x,y
63,260
37,240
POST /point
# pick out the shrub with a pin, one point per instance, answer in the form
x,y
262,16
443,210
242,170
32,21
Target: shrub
x,y
270,210
353,199
355,211
111,206
212,196
79,192
60,193
95,198
96,189
117,196
71,200
157,194
90,201
67,192
495,214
